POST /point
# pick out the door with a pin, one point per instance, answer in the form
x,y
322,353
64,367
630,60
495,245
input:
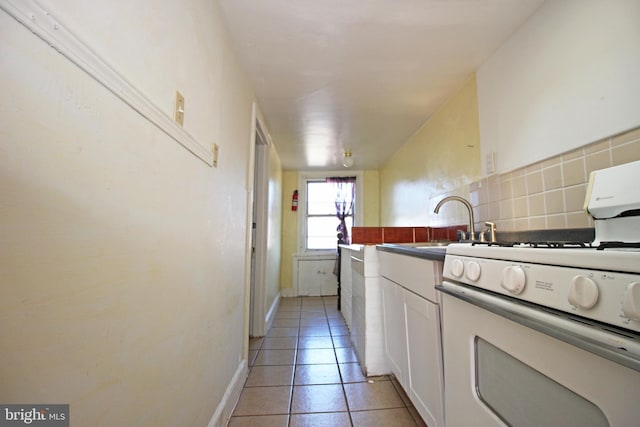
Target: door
x,y
394,329
424,370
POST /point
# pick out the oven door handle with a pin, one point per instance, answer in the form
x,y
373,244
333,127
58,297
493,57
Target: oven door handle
x,y
620,347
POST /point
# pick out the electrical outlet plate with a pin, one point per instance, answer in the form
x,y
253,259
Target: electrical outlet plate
x,y
178,110
214,149
491,163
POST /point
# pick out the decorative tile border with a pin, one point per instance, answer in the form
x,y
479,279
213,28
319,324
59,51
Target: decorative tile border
x,y
378,235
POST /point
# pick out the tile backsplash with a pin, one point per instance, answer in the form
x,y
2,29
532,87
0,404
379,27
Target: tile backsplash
x,y
377,235
548,194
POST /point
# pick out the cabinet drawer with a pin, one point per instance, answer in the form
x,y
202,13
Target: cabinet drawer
x,y
418,275
357,265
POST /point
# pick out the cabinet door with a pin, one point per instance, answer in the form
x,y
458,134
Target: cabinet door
x,y
425,375
345,281
316,278
358,311
394,329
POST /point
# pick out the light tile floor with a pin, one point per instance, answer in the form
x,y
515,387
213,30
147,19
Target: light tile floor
x,y
304,373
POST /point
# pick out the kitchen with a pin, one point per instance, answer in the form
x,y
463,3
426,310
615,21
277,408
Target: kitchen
x,y
125,253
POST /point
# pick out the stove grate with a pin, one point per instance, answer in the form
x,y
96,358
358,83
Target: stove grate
x,y
547,244
618,245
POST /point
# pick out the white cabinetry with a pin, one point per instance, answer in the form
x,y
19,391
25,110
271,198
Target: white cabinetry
x,y
345,285
425,370
395,330
367,334
412,330
313,275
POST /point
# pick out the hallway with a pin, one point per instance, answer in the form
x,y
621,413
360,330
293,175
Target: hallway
x,y
305,373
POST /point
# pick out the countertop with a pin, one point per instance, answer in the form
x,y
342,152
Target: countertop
x,y
353,246
418,250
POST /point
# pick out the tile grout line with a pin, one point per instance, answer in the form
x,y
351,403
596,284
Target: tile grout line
x,y
295,370
344,391
297,342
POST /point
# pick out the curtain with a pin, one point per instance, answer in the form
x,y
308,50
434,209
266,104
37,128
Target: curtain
x,y
345,197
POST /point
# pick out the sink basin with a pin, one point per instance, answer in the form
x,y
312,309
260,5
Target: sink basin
x,y
424,245
430,245
430,250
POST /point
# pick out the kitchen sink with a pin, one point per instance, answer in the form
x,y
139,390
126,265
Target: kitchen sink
x,y
429,250
425,245
430,244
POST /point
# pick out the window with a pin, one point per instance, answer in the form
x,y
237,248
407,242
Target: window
x,y
327,202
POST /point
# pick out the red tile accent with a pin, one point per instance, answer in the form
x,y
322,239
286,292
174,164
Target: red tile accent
x,y
452,232
377,235
366,235
420,234
397,234
445,233
439,233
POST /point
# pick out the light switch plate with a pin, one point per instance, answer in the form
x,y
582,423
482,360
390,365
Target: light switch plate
x,y
178,109
491,163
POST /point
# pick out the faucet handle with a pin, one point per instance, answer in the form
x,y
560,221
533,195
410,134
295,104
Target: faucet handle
x,y
491,230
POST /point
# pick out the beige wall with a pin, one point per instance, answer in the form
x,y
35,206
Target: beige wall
x,y
371,198
561,82
122,255
274,234
547,194
289,227
444,154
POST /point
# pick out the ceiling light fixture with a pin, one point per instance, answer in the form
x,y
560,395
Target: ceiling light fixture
x,y
347,160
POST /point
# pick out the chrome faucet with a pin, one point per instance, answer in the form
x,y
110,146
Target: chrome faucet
x,y
472,231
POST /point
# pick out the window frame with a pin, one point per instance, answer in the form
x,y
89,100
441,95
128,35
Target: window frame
x,y
303,178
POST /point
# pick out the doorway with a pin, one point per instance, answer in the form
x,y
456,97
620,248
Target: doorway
x,y
259,228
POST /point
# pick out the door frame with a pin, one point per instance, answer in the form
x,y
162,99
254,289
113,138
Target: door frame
x,y
257,199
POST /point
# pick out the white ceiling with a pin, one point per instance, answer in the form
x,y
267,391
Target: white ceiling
x,y
363,75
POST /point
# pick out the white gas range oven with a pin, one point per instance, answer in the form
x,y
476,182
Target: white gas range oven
x,y
548,333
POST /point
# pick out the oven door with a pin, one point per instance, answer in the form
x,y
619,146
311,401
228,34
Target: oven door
x,y
501,371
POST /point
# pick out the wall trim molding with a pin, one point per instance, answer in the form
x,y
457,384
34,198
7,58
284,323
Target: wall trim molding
x,y
271,313
49,29
224,410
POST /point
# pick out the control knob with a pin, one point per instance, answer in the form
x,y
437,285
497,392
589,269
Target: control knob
x,y
583,292
631,301
473,271
513,279
457,268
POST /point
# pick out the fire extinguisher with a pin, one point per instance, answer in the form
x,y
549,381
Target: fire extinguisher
x,y
294,201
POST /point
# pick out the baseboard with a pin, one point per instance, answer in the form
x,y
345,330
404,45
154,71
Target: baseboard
x,y
271,313
225,408
288,292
